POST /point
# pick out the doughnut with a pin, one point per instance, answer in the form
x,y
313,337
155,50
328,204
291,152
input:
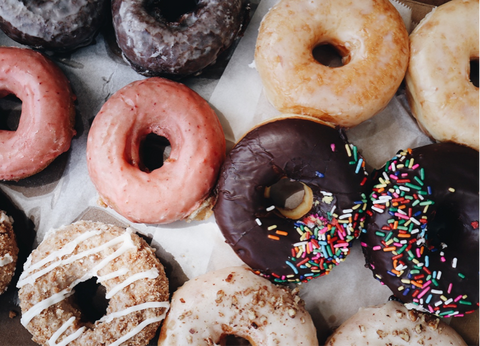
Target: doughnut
x,y
122,262
302,159
439,91
370,37
393,324
176,40
8,251
179,189
58,25
46,123
421,239
236,302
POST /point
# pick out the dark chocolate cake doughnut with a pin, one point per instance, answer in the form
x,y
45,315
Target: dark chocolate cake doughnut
x,y
422,237
58,25
286,246
160,39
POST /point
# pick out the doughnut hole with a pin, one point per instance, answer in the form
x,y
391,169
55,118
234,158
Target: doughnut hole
x,y
233,340
474,71
89,297
293,199
10,111
154,151
170,11
330,54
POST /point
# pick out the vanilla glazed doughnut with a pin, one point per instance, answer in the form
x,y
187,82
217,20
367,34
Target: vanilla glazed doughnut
x,y
59,25
369,35
440,93
122,262
179,189
45,129
235,301
8,251
393,324
294,244
156,45
422,238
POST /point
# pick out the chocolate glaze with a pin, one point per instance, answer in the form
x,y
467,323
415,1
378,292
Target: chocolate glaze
x,y
155,46
58,25
451,172
302,150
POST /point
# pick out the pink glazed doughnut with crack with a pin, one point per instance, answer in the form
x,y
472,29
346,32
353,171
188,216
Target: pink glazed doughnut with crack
x,y
181,187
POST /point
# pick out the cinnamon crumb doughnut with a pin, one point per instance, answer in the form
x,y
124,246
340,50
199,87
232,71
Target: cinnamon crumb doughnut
x,y
122,262
8,251
235,301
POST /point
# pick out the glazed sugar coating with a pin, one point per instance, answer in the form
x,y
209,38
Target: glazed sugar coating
x,y
393,324
156,47
371,37
59,25
440,93
301,149
8,251
235,301
122,262
422,237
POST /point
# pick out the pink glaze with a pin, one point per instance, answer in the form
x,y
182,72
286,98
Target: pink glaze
x,y
46,123
168,109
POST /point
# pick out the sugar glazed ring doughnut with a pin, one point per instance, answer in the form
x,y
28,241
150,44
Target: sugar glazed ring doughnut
x,y
235,301
157,40
121,261
8,251
59,25
46,124
369,35
422,237
439,90
179,188
393,324
303,240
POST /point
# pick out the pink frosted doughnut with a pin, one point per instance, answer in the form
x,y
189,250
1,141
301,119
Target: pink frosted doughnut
x,y
179,188
46,124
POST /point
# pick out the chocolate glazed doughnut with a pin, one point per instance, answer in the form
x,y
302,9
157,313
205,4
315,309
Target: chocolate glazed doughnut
x,y
282,246
59,25
157,40
422,236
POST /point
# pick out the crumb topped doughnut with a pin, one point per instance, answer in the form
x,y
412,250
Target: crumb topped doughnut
x,y
292,242
235,301
393,324
181,187
46,125
120,260
8,251
440,93
422,237
59,25
182,40
370,36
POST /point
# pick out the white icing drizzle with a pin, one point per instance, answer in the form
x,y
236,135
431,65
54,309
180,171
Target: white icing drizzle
x,y
53,340
112,275
7,259
44,304
137,329
149,305
149,274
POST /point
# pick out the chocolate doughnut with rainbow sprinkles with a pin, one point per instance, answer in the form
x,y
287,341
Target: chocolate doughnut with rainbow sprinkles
x,y
291,198
421,238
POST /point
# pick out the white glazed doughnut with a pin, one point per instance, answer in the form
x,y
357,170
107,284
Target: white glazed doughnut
x,y
393,324
440,93
235,301
371,37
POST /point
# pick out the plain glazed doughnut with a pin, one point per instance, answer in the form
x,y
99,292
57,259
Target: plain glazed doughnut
x,y
180,187
393,324
288,151
59,25
122,262
46,124
156,45
422,237
439,90
8,251
371,37
235,301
